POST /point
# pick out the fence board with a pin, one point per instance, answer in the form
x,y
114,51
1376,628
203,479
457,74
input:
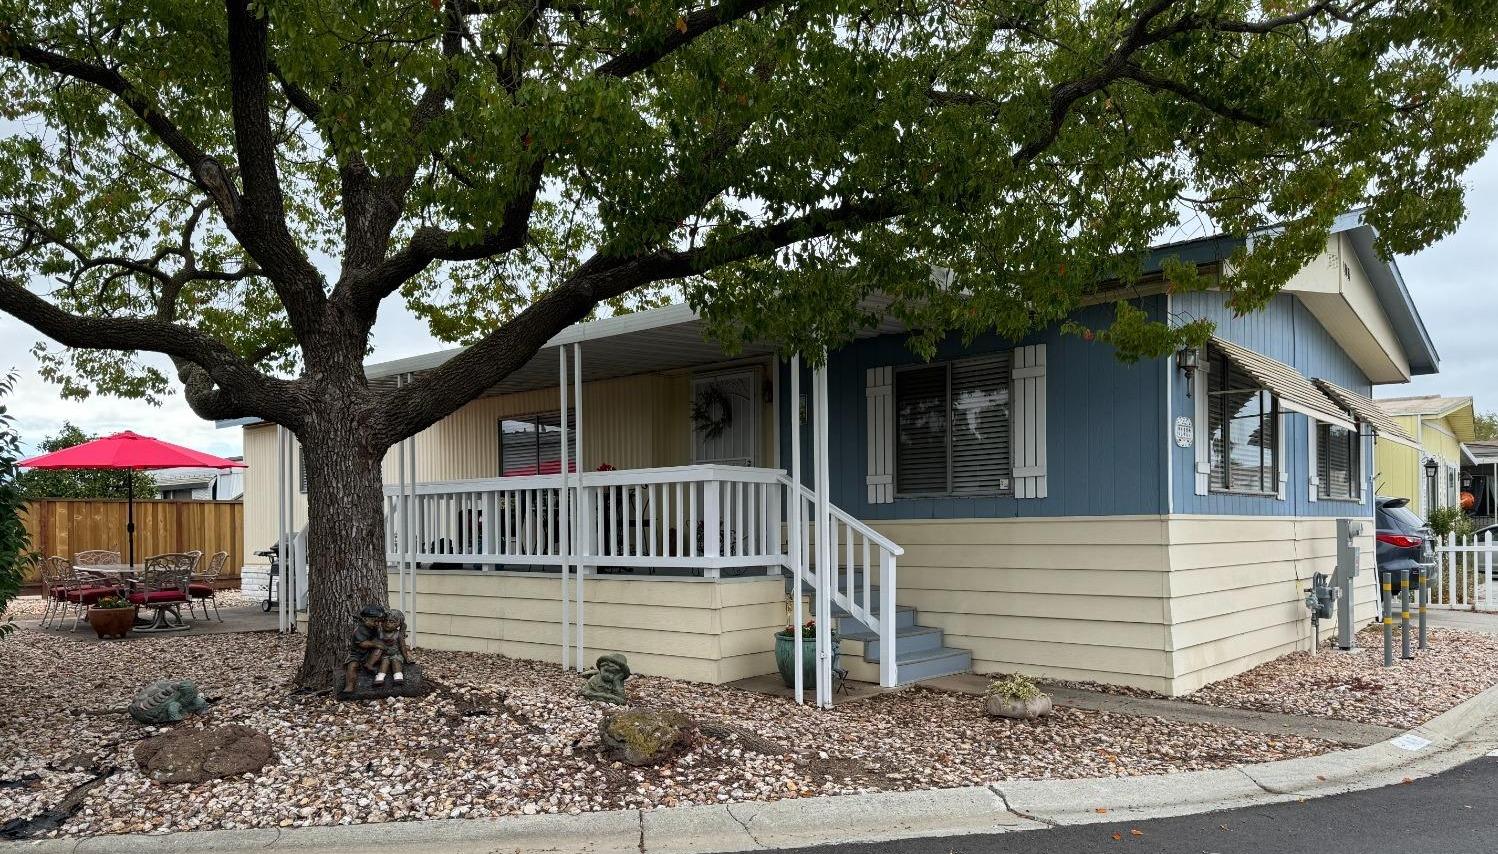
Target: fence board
x,y
65,526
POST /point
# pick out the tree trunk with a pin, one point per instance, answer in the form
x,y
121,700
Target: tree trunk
x,y
345,542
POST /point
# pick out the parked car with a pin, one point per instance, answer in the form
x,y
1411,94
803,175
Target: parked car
x,y
1404,540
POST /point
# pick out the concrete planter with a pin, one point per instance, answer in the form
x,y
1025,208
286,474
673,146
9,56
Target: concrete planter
x,y
999,706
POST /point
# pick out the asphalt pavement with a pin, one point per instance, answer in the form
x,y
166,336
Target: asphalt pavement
x,y
1455,812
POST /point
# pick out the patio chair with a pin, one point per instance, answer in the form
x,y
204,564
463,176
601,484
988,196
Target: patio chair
x,y
94,557
73,590
162,587
49,574
204,586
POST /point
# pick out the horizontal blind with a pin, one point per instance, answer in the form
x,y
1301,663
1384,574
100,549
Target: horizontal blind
x,y
1338,461
921,430
980,424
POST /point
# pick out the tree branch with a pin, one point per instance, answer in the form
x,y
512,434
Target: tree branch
x,y
698,24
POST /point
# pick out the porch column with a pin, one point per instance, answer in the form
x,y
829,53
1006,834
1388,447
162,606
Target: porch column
x,y
824,533
413,532
563,510
795,517
583,539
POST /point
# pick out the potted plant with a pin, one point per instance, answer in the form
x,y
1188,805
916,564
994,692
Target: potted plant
x,y
785,653
112,616
1016,697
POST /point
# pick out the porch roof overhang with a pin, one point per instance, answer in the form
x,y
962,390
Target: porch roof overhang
x,y
1295,392
1367,412
669,338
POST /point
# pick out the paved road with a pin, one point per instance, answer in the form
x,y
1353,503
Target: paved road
x,y
1451,813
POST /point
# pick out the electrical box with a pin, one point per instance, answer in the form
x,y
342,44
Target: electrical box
x,y
1349,555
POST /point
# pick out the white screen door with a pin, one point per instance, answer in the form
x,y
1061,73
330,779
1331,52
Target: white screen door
x,y
725,418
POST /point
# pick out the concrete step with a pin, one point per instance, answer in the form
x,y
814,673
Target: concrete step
x,y
847,624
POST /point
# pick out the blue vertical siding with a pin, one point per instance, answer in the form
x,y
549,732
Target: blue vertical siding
x,y
1107,430
1285,330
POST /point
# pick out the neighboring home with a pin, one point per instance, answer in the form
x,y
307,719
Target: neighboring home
x,y
1480,480
191,483
1043,507
1440,426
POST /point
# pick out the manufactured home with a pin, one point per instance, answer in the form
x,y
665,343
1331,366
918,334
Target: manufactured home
x,y
1033,506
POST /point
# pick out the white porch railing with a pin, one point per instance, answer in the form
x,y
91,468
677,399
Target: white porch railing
x,y
704,518
1463,575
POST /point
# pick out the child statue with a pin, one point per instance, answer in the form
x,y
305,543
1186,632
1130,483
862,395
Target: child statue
x,y
606,681
365,647
395,653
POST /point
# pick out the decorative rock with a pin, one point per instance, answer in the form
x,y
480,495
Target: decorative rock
x,y
167,701
644,736
999,706
196,756
365,688
606,681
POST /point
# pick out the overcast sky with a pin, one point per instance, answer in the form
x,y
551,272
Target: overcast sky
x,y
1450,281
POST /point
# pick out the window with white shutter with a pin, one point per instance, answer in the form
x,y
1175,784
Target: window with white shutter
x,y
1338,455
952,428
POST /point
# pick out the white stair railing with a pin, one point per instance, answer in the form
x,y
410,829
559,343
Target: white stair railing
x,y
861,559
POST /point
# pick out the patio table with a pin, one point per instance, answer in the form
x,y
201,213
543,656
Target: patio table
x,y
122,573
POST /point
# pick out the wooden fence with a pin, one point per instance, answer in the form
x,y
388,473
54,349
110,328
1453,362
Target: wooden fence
x,y
65,526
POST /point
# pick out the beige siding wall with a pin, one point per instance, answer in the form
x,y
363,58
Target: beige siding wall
x,y
1156,602
702,631
641,421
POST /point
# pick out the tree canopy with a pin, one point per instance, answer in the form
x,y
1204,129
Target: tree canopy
x,y
232,184
80,483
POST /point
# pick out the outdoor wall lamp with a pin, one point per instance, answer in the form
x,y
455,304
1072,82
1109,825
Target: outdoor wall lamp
x,y
1431,467
1188,361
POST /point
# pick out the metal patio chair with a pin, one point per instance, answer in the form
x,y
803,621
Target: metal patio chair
x,y
203,587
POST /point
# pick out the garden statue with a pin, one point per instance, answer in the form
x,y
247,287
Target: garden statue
x,y
167,701
606,681
394,653
365,647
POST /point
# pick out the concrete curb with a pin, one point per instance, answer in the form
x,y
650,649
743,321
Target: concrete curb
x,y
1464,733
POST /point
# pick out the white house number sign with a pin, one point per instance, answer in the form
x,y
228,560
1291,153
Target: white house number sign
x,y
1185,431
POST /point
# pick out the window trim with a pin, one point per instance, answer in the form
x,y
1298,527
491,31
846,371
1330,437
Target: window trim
x,y
1273,416
533,418
1355,464
946,365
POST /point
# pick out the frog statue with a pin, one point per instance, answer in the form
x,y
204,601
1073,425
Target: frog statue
x,y
167,701
606,681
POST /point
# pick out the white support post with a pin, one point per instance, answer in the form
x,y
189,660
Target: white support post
x,y
823,541
402,532
577,409
889,671
795,517
413,548
565,526
712,525
282,553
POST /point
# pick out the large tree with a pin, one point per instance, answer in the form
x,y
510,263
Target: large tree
x,y
242,186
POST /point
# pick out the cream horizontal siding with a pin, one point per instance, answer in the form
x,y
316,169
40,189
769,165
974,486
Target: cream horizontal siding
x,y
1070,597
1237,592
686,629
1166,603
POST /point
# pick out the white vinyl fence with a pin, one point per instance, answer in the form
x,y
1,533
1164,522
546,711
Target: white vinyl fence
x,y
1463,577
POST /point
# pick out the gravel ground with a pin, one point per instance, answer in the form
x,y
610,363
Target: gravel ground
x,y
509,736
24,607
1355,686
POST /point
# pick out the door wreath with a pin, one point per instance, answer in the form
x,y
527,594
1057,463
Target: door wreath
x,y
712,412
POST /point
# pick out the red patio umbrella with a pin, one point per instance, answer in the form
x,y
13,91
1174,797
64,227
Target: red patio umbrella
x,y
128,452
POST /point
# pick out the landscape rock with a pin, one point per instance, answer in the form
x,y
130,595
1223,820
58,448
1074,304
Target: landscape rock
x,y
644,736
200,755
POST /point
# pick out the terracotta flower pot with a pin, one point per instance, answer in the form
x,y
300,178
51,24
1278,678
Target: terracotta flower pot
x,y
111,622
999,706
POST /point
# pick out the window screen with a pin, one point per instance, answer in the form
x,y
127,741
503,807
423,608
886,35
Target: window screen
x,y
952,428
1243,430
533,444
1337,457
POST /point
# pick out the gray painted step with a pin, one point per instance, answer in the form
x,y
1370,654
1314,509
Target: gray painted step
x,y
912,638
848,624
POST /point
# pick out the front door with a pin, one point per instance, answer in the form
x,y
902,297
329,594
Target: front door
x,y
725,417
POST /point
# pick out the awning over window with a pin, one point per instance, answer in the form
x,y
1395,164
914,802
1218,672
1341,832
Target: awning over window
x,y
1368,412
1295,392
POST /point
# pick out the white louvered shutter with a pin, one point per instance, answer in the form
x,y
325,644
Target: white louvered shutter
x,y
1029,423
1280,460
879,391
1203,443
1313,432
